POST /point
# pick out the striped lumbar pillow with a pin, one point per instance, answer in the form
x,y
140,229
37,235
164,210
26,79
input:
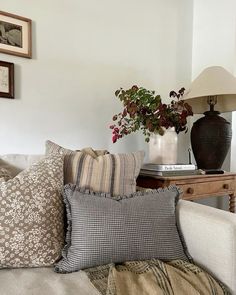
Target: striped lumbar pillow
x,y
104,230
100,171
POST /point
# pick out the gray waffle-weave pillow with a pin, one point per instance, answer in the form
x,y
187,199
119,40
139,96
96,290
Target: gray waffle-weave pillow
x,y
104,229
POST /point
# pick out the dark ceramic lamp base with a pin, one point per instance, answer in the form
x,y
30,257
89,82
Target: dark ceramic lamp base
x,y
210,138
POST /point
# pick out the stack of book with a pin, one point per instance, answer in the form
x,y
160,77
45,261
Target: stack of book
x,y
169,170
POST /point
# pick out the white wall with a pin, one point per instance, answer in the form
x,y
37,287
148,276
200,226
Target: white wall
x,y
82,52
214,28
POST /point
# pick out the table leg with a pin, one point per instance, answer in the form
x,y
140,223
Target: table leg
x,y
232,202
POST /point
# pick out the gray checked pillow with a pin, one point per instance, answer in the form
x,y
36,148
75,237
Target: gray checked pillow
x,y
104,229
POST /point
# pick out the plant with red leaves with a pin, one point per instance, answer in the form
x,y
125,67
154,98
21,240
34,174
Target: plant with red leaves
x,y
144,110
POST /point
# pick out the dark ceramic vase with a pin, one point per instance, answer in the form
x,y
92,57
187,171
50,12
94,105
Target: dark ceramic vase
x,y
210,138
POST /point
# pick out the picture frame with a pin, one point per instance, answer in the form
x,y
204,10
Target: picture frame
x,y
15,35
6,79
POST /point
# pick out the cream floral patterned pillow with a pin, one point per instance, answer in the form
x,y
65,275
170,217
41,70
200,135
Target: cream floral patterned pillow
x,y
31,215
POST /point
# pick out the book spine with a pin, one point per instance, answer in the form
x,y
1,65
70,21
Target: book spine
x,y
151,173
180,173
170,173
169,167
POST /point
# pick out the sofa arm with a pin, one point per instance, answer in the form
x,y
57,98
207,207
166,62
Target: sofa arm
x,y
210,235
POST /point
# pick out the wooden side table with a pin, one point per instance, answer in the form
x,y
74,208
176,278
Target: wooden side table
x,y
197,187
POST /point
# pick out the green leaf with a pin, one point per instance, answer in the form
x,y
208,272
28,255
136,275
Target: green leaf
x,y
117,92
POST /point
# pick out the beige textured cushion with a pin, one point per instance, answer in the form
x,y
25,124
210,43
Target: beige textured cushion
x,y
115,174
31,215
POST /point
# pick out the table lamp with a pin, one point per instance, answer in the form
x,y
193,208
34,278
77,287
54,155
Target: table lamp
x,y
213,89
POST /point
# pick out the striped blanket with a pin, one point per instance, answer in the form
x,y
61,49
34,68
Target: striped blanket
x,y
154,277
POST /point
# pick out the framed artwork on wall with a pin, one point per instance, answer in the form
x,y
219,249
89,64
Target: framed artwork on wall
x,y
6,79
15,35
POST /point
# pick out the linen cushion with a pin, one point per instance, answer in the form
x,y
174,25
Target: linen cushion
x,y
104,229
211,239
88,169
31,215
15,163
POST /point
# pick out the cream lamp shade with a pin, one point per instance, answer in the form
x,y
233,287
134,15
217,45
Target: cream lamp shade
x,y
213,81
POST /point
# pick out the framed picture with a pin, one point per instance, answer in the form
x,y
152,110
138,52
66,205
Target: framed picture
x,y
15,35
6,79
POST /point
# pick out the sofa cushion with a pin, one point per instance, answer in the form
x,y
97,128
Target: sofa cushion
x,y
31,215
15,163
104,229
44,281
115,174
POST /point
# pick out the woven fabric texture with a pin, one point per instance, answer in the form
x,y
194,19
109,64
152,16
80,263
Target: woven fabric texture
x,y
5,174
32,215
104,229
100,171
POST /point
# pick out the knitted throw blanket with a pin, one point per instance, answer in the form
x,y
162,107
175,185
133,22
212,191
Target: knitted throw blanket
x,y
154,277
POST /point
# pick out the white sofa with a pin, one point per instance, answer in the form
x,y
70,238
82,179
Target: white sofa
x,y
210,235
